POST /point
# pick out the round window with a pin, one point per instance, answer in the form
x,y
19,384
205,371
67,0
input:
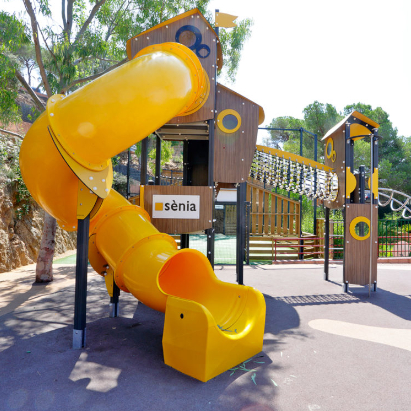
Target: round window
x,y
229,121
360,228
329,148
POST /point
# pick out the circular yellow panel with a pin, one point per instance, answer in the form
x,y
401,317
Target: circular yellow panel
x,y
329,150
229,121
353,225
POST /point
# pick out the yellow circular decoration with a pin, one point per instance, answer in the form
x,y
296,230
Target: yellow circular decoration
x,y
329,150
225,118
354,222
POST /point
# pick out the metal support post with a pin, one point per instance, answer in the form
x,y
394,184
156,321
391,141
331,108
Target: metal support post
x,y
300,254
143,162
240,251
315,185
210,231
326,243
185,238
80,297
158,161
114,311
184,241
128,173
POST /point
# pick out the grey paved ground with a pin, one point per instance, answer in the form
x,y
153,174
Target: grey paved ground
x,y
300,368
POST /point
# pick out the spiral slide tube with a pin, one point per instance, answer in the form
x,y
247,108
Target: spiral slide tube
x,y
210,326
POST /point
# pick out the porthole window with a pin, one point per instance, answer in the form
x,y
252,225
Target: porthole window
x,y
360,228
229,121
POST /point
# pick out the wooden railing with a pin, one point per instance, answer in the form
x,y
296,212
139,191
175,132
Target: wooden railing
x,y
271,213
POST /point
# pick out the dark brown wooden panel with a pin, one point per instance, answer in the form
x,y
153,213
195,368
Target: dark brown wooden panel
x,y
233,153
357,252
167,33
177,226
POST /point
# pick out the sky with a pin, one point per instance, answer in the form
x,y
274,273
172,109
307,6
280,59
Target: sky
x,y
332,51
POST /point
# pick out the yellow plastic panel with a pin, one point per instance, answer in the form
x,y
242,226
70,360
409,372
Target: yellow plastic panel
x,y
354,222
350,182
86,200
47,176
113,112
374,183
99,182
195,344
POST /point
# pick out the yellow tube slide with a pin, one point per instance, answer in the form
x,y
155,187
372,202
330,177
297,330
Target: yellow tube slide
x,y
210,325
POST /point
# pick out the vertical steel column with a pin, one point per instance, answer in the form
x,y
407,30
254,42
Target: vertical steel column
x,y
326,243
185,238
315,184
300,254
210,233
143,162
114,311
240,249
247,232
158,161
128,173
80,298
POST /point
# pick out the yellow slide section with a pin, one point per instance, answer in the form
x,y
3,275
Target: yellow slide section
x,y
210,325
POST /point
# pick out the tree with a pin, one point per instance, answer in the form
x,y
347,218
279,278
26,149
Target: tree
x,y
318,118
89,42
394,169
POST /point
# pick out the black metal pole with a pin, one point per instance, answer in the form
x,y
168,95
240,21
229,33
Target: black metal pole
x,y
301,255
114,311
326,243
247,232
128,173
143,162
80,297
315,184
210,231
158,161
240,254
185,238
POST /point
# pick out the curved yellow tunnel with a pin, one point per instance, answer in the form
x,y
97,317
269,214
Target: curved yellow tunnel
x,y
210,325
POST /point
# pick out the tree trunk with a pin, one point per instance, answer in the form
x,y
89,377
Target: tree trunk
x,y
44,267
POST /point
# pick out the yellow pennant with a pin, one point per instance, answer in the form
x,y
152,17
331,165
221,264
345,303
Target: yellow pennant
x,y
225,20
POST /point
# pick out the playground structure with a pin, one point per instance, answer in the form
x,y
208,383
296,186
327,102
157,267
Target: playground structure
x,y
209,326
169,88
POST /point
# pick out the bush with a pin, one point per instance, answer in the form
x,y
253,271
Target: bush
x,y
10,176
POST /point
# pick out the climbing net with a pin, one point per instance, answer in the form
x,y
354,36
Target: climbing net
x,y
294,176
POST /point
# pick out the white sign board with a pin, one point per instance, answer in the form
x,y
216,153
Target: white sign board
x,y
176,206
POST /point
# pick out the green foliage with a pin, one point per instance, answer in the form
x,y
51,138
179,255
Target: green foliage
x,y
393,151
10,176
167,152
232,41
318,118
13,36
120,183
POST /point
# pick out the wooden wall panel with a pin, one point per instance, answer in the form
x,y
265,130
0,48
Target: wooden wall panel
x,y
357,252
339,167
178,226
168,34
270,215
233,153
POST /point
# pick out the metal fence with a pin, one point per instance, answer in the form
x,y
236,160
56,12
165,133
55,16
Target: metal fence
x,y
394,238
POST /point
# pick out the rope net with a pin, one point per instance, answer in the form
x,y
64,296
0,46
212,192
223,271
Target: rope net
x,y
294,176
